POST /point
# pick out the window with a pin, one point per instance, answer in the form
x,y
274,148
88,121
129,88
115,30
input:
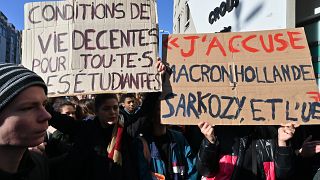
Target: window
x,y
2,31
187,16
178,24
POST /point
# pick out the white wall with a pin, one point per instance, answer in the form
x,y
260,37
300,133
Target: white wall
x,y
249,15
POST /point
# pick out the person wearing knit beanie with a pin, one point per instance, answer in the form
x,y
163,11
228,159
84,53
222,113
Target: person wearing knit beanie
x,y
14,79
23,123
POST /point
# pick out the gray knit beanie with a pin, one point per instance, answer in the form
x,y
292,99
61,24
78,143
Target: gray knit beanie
x,y
14,79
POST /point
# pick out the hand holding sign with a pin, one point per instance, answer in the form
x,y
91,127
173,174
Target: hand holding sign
x,y
208,131
285,132
161,67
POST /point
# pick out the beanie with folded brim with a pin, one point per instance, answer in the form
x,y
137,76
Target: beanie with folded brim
x,y
14,79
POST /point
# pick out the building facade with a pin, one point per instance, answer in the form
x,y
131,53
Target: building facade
x,y
308,16
10,42
182,20
288,14
210,16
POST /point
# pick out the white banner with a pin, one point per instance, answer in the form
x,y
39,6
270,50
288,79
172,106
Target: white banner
x,y
86,47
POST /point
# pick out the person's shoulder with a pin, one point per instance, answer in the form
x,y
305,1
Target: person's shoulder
x,y
121,109
38,158
40,161
89,126
92,123
41,166
176,134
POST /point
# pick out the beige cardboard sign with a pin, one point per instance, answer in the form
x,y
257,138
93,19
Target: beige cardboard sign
x,y
87,47
251,78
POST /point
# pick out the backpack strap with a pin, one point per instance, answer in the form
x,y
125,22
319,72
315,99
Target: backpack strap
x,y
147,156
146,150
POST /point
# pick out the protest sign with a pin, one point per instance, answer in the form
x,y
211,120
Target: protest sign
x,y
250,78
86,47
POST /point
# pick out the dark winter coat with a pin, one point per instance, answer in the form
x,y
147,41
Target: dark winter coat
x,y
88,158
33,166
224,159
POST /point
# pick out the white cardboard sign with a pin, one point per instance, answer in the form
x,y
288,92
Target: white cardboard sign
x,y
98,46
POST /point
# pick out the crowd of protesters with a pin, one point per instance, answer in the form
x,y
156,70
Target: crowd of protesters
x,y
120,136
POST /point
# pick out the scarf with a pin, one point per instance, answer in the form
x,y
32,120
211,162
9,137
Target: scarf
x,y
114,147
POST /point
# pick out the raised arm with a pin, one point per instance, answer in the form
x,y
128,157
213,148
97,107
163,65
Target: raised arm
x,y
284,157
64,123
208,158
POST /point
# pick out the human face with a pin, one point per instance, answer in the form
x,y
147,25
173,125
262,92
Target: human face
x,y
108,112
24,121
68,110
129,104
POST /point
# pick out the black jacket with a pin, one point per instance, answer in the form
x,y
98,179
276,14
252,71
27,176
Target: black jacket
x,y
139,122
88,159
33,166
233,157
